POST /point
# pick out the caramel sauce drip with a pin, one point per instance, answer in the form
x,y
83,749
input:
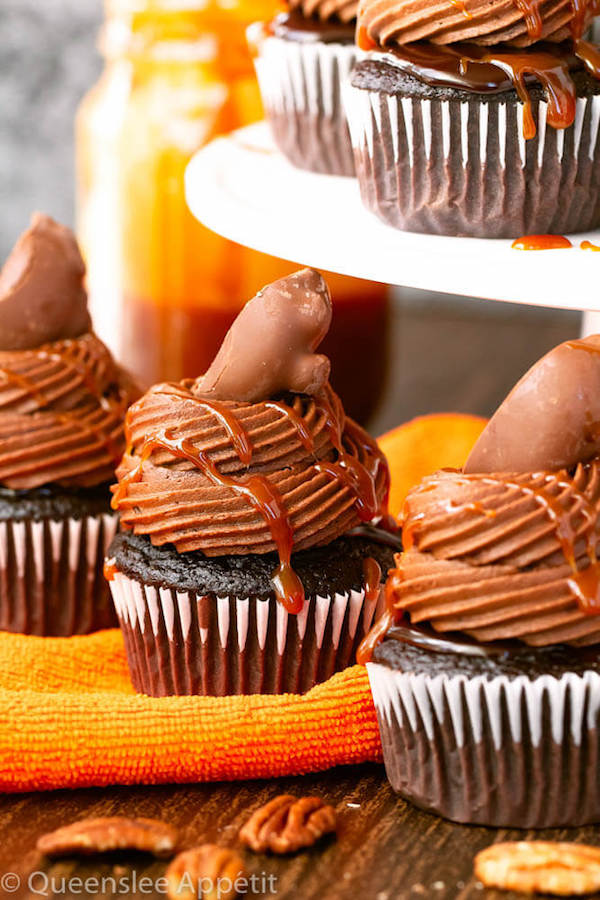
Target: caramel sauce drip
x,y
256,488
533,17
462,6
304,435
110,569
359,480
553,74
363,41
115,406
367,646
542,242
371,578
589,55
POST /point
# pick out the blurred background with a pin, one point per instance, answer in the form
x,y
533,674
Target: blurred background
x,y
163,289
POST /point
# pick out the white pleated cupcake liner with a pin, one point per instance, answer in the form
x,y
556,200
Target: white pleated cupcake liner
x,y
464,168
300,85
179,642
521,752
51,580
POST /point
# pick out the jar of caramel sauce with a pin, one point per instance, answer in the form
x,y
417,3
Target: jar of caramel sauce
x,y
163,288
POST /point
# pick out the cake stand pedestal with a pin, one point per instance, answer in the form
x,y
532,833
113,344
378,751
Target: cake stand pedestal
x,y
241,187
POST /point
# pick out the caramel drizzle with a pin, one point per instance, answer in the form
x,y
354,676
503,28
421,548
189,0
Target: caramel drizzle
x,y
461,5
530,10
256,488
583,583
74,417
348,469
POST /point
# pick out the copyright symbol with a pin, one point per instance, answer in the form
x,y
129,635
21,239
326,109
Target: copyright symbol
x,y
10,882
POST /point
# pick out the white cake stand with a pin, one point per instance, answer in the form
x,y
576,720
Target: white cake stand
x,y
241,187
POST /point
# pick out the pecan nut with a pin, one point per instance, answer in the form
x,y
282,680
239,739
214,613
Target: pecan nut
x,y
208,872
287,824
548,867
103,835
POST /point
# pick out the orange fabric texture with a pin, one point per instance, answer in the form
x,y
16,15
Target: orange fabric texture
x,y
70,718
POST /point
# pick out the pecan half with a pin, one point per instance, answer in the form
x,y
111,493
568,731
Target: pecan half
x,y
209,872
90,836
287,824
548,867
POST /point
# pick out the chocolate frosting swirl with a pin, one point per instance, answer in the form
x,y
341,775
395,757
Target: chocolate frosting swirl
x,y
62,396
327,10
501,556
291,442
486,22
62,408
508,548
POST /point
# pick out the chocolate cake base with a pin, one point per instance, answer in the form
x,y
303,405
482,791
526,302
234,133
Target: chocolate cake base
x,y
445,160
52,546
504,737
300,66
199,625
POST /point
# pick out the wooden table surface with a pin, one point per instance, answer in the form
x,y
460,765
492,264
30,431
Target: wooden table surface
x,y
385,848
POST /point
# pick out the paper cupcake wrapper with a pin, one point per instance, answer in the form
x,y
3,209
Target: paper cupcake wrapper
x,y
300,85
181,643
464,168
51,579
496,751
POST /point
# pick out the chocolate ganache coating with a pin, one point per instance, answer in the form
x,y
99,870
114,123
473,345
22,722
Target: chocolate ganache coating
x,y
62,396
42,297
257,455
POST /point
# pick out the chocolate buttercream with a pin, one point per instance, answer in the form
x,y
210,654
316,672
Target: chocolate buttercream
x,y
291,443
270,347
273,464
62,408
62,396
486,22
42,297
327,10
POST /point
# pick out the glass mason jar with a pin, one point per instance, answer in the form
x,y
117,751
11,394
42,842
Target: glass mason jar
x,y
163,288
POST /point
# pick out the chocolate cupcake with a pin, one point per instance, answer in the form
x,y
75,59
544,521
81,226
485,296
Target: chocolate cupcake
x,y
62,406
485,667
301,59
477,118
240,569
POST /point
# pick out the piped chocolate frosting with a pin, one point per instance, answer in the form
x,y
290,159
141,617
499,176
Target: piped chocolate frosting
x,y
257,455
62,396
507,548
480,46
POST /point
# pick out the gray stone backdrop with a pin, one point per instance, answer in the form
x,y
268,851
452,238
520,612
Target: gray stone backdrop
x,y
48,59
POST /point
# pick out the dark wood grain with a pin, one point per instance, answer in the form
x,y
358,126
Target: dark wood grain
x,y
385,849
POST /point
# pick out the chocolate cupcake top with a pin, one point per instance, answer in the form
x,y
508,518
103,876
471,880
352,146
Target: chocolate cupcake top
x,y
256,455
62,396
507,548
485,22
488,46
326,10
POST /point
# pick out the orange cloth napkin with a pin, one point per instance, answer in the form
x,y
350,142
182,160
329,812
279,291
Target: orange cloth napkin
x,y
70,718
